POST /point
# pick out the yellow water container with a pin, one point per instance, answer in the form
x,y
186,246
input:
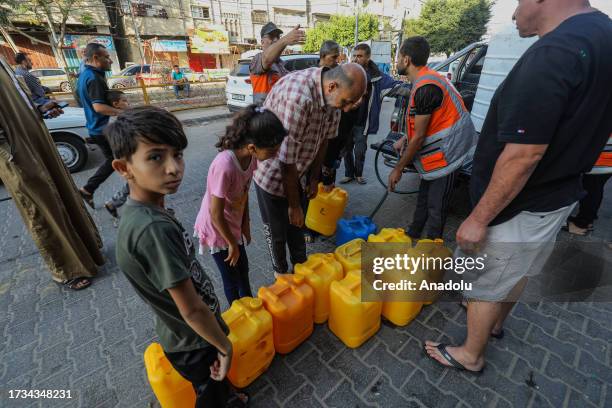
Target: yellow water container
x,y
401,313
290,301
352,320
434,249
396,235
251,335
349,255
170,388
320,270
325,210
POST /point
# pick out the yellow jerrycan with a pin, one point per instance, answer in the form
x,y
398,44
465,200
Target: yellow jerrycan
x,y
400,310
350,319
171,390
435,250
325,210
251,335
349,255
395,235
320,270
290,301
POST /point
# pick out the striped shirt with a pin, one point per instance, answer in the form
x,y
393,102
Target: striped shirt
x,y
33,83
297,99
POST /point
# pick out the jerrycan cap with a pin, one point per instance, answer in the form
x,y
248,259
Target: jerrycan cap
x,y
298,279
255,303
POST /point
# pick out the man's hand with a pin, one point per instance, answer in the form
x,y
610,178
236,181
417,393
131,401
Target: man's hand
x,y
471,235
295,36
296,216
50,109
394,177
233,253
221,366
399,144
313,189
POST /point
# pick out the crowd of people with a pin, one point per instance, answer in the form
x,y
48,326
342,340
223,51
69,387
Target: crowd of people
x,y
546,139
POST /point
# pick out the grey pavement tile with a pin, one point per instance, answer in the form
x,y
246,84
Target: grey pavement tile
x,y
552,390
393,337
345,396
21,335
566,351
284,381
93,390
20,312
414,352
113,329
121,354
107,307
80,309
598,331
573,319
595,313
396,370
130,385
17,362
417,387
457,383
297,355
422,332
438,321
518,394
499,356
318,374
594,368
326,342
578,399
52,311
87,358
360,374
517,326
53,359
83,331
546,323
382,394
364,350
533,354
304,398
264,399
594,346
59,380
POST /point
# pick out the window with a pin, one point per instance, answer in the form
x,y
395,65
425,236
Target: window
x,y
37,74
241,70
298,64
52,72
200,12
259,17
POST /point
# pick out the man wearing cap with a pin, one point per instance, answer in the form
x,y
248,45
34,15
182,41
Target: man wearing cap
x,y
266,67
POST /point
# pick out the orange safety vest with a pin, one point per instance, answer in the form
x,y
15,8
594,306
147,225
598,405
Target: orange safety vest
x,y
450,137
262,84
603,165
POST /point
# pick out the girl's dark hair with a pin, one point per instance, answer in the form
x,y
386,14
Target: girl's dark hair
x,y
144,123
255,125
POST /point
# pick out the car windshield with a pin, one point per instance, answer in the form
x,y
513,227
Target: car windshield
x,y
241,70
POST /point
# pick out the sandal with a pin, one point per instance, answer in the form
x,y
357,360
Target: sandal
x,y
454,363
112,210
88,198
76,283
362,180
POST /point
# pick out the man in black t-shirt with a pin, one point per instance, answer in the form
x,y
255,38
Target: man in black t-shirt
x,y
547,123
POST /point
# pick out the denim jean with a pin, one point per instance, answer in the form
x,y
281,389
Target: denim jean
x,y
235,278
354,156
184,87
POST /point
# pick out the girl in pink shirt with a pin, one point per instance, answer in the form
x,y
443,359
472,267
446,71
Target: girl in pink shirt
x,y
222,224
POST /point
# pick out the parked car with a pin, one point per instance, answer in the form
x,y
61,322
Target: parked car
x,y
239,92
191,75
53,78
130,75
69,134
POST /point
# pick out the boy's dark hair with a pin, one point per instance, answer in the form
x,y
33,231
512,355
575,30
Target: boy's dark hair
x,y
417,48
92,49
20,57
175,66
253,125
363,47
147,124
113,96
329,47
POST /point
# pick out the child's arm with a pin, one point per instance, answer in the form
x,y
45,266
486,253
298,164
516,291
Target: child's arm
x,y
217,207
199,317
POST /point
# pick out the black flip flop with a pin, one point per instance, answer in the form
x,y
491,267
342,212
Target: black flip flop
x,y
454,363
236,402
74,283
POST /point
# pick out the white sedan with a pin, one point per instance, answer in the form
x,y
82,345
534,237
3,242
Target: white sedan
x,y
69,134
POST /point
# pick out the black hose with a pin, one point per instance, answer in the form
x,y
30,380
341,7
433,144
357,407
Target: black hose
x,y
380,180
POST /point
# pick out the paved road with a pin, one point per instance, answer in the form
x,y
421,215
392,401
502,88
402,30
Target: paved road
x,y
92,342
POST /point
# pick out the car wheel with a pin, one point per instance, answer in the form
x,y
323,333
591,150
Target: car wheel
x,y
72,150
65,87
202,78
118,85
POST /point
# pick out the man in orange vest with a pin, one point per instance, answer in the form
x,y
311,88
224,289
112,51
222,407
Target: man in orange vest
x,y
440,138
266,67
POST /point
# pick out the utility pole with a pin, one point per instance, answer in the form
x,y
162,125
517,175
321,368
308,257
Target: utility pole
x,y
356,23
136,34
8,39
400,37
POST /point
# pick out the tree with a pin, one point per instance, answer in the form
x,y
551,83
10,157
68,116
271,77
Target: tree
x,y
342,30
450,25
53,14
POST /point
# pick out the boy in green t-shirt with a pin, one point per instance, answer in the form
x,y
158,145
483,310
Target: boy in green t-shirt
x,y
158,258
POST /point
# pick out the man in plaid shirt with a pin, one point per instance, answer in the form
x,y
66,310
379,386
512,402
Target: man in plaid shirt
x,y
308,103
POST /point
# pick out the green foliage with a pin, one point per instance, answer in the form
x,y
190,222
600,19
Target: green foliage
x,y
342,30
450,25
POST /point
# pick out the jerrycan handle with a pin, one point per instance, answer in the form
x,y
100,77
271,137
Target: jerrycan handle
x,y
352,251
